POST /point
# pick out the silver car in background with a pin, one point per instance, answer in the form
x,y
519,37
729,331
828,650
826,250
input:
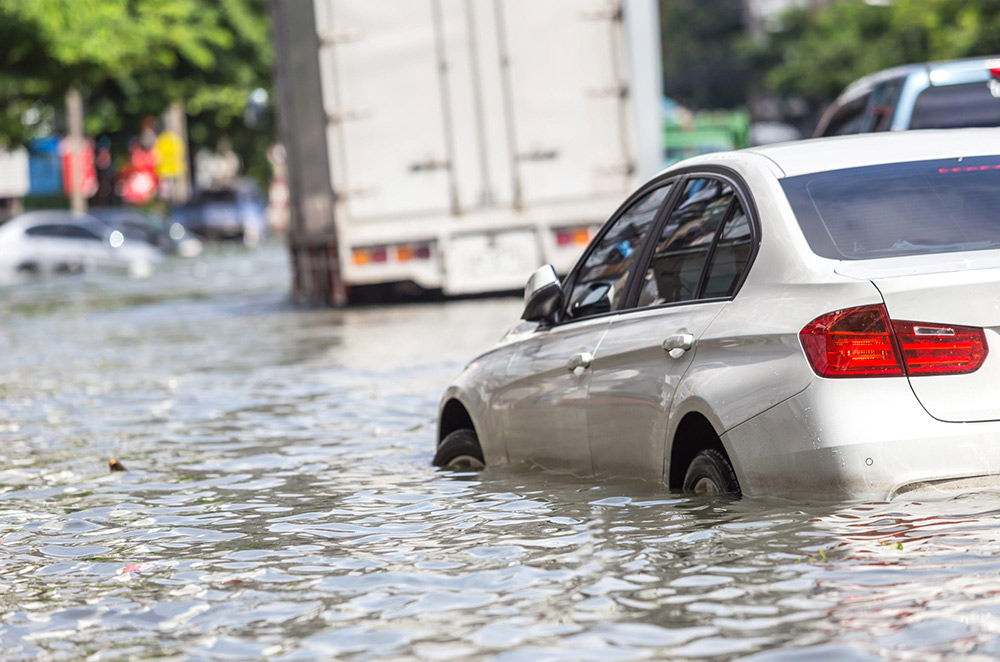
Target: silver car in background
x,y
932,95
807,319
59,241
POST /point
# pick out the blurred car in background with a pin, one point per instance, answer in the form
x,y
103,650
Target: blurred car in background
x,y
932,95
236,213
57,241
169,237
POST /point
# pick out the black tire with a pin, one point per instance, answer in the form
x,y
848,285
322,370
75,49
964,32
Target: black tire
x,y
460,450
710,473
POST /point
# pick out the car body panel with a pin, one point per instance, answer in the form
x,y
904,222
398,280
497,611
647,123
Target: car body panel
x,y
867,439
633,382
543,403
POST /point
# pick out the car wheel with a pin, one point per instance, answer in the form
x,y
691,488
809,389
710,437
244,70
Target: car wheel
x,y
711,473
460,450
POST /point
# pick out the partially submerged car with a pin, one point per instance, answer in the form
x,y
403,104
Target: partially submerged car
x,y
813,318
58,241
169,236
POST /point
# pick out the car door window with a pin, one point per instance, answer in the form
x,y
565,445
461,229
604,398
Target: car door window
x,y
602,279
730,255
847,118
678,259
44,231
882,106
80,232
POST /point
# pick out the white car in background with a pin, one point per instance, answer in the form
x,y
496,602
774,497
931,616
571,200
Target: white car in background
x,y
811,318
43,242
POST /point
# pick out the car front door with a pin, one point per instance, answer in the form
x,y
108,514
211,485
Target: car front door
x,y
544,399
699,256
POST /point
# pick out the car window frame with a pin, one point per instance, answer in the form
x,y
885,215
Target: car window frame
x,y
740,194
672,179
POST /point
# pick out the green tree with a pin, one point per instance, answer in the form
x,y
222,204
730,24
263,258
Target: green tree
x,y
701,63
815,53
132,58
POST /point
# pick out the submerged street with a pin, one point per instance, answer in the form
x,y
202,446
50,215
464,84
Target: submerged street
x,y
279,502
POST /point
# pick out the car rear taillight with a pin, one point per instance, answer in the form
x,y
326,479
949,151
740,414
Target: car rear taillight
x,y
864,342
935,349
851,343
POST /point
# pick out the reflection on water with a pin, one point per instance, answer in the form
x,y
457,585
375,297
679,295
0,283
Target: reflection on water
x,y
279,503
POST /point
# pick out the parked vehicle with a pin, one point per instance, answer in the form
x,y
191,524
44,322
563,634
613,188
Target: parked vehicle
x,y
169,236
933,95
462,148
810,318
42,242
236,213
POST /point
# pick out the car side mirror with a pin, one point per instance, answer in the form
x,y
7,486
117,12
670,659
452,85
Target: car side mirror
x,y
542,296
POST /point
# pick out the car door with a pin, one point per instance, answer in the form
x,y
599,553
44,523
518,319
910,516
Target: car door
x,y
544,398
700,253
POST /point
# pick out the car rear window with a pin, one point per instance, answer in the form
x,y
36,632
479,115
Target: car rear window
x,y
956,106
915,208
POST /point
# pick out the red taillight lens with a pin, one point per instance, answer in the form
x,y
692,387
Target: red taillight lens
x,y
937,349
851,343
864,342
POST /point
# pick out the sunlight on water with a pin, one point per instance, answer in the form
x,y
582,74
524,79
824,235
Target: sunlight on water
x,y
279,503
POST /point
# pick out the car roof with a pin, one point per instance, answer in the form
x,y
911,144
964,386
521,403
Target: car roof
x,y
803,157
939,73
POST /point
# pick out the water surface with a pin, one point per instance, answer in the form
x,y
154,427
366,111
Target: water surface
x,y
279,504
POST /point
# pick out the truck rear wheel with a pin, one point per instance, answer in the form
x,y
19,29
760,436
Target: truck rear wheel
x,y
460,450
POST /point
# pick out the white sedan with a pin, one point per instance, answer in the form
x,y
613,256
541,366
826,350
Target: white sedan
x,y
812,318
61,242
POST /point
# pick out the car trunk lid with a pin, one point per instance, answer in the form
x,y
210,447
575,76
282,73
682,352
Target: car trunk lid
x,y
961,289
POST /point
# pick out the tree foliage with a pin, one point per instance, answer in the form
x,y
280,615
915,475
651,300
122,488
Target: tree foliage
x,y
701,64
815,52
132,58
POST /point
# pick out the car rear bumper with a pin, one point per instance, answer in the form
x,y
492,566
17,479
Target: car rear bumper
x,y
859,438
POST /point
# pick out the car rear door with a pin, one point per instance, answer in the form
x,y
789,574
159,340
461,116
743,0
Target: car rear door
x,y
545,395
701,253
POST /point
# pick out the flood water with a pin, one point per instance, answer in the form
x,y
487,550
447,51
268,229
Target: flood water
x,y
279,504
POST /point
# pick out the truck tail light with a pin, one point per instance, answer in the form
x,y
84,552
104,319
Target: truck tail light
x,y
383,254
407,252
864,342
572,236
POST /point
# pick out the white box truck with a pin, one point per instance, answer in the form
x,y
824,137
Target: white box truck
x,y
470,141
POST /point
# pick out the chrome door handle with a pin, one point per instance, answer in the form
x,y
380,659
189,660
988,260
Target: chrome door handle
x,y
580,360
681,341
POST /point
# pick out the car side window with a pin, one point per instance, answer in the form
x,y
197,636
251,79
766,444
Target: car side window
x,y
80,232
883,106
43,231
730,256
847,119
62,231
679,256
601,281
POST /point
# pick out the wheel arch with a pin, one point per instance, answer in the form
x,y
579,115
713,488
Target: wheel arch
x,y
694,432
454,415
